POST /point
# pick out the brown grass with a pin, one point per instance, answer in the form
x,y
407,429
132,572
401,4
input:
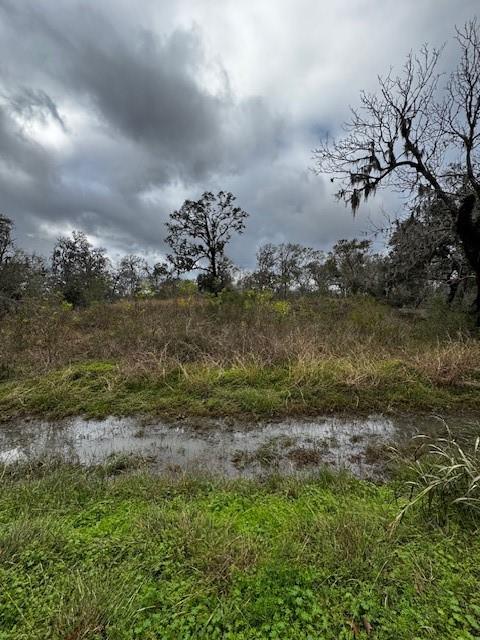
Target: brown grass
x,y
161,334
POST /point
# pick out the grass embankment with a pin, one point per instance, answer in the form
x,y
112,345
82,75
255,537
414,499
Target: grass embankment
x,y
83,555
101,389
233,356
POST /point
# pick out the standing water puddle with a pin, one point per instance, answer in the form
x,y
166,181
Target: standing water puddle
x,y
218,446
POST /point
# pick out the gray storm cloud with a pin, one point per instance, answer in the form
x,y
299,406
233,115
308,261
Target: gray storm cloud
x,y
111,113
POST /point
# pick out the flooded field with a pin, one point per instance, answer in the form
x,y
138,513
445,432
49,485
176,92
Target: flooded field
x,y
224,447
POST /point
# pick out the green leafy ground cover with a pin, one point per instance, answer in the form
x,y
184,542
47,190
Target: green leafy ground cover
x,y
84,554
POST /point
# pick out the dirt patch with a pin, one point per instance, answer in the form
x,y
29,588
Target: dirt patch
x,y
303,456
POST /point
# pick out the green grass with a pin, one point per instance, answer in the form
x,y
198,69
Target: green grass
x,y
134,556
236,355
100,389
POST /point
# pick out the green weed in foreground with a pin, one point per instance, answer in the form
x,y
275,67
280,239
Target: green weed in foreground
x,y
444,477
101,389
83,555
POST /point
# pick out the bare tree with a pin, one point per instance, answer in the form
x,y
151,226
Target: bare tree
x,y
420,135
199,232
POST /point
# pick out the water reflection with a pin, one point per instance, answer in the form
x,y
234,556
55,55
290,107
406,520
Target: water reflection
x,y
221,446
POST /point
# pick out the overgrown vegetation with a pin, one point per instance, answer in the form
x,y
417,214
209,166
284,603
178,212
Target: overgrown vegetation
x,y
445,477
89,555
116,552
238,353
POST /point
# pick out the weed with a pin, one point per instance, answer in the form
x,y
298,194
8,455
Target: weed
x,y
445,478
239,353
121,462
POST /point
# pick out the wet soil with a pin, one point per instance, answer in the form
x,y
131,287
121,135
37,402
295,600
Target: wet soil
x,y
225,447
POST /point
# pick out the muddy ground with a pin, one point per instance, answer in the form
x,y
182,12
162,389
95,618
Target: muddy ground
x,y
226,447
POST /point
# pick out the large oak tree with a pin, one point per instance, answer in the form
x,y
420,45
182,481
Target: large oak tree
x,y
198,234
418,134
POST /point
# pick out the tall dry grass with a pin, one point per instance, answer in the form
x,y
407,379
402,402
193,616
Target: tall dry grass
x,y
158,335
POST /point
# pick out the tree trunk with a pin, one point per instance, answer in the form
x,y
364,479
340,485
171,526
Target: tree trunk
x,y
213,272
477,298
468,230
452,290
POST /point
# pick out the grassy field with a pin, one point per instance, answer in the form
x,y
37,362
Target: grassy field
x,y
91,556
238,354
118,553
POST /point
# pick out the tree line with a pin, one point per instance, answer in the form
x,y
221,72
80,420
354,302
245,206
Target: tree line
x,y
418,134
424,257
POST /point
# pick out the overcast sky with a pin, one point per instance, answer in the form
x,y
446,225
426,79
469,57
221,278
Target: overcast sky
x,y
112,112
